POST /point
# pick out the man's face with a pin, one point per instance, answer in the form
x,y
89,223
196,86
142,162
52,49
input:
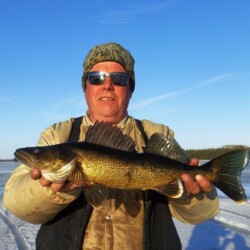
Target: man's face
x,y
107,102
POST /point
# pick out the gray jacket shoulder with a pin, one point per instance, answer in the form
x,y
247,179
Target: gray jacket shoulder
x,y
56,133
152,127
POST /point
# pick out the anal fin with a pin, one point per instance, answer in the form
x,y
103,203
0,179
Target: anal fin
x,y
174,189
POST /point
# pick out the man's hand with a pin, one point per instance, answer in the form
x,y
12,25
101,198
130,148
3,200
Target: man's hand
x,y
197,185
60,186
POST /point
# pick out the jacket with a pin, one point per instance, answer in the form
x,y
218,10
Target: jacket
x,y
28,200
67,229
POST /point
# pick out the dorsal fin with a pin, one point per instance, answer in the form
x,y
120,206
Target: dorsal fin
x,y
105,134
163,146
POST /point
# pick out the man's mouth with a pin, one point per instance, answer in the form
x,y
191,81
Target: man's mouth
x,y
106,99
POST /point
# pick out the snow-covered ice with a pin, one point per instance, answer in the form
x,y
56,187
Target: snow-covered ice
x,y
229,230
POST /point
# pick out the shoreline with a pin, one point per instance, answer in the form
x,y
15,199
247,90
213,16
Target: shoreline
x,y
8,160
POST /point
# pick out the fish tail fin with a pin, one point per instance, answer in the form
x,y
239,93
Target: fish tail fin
x,y
227,169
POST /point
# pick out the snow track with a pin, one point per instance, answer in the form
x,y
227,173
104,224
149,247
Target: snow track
x,y
11,231
234,220
16,234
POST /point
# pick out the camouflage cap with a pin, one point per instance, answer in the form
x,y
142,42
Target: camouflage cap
x,y
109,52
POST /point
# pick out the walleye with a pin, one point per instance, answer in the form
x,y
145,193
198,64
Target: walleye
x,y
107,159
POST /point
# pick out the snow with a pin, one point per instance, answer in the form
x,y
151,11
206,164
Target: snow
x,y
229,230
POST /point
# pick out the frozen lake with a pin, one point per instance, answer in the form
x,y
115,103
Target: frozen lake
x,y
229,230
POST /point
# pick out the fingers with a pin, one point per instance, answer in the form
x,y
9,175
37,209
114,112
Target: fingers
x,y
35,174
60,186
44,182
69,186
57,186
205,185
191,186
194,162
197,185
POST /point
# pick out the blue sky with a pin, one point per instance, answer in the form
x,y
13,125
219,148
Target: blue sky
x,y
192,65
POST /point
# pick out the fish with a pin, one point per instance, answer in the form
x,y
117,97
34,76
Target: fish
x,y
107,159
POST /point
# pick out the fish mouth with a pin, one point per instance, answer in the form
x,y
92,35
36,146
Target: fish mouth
x,y
25,158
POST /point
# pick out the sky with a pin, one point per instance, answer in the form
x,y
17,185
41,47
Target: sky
x,y
192,65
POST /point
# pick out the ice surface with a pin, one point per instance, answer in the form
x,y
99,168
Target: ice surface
x,y
229,230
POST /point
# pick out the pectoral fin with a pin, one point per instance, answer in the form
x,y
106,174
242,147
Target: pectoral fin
x,y
174,189
96,194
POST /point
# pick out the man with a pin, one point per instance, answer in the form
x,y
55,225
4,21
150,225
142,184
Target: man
x,y
127,219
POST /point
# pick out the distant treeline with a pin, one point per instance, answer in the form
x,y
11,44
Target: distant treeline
x,y
6,160
210,153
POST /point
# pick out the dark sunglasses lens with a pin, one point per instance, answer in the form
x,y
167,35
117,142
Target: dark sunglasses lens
x,y
96,78
120,79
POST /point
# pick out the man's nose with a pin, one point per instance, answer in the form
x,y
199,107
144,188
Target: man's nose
x,y
108,84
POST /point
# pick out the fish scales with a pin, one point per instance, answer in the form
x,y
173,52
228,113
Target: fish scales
x,y
120,169
103,166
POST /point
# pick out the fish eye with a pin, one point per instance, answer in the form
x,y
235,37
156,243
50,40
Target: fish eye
x,y
36,151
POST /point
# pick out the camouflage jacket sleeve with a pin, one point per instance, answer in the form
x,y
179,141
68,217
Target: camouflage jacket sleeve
x,y
26,198
193,209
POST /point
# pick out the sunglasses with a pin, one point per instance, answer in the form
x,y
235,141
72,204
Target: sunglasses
x,y
118,78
